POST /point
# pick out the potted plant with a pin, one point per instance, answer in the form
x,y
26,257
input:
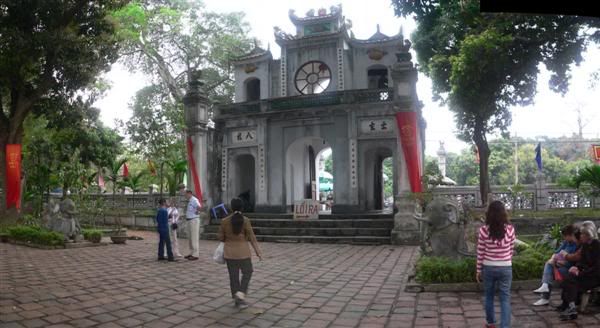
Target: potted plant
x,y
118,235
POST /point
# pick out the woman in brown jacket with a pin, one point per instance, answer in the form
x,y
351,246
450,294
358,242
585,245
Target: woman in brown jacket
x,y
235,231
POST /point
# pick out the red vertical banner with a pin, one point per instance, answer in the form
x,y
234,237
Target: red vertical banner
x,y
596,153
13,176
192,165
409,134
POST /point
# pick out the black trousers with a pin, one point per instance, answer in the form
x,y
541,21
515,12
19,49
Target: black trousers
x,y
572,286
164,241
234,267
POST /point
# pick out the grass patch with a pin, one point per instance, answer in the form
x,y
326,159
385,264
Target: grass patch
x,y
35,235
528,263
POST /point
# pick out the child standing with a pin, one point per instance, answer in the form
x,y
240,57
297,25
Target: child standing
x,y
494,260
173,226
558,262
162,224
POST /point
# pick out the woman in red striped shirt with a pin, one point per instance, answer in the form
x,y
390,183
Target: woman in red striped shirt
x,y
494,259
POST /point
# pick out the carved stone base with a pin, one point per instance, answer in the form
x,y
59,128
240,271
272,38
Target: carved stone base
x,y
406,228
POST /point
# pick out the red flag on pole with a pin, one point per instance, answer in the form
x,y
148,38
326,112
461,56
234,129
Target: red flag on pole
x,y
13,176
192,162
100,181
409,134
125,170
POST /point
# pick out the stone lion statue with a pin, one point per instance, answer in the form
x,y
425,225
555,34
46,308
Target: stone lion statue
x,y
60,217
446,231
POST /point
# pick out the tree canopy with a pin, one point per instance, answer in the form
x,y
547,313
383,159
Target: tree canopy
x,y
482,64
49,48
170,39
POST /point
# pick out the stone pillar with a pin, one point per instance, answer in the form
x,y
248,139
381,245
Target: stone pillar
x,y
196,120
541,192
404,76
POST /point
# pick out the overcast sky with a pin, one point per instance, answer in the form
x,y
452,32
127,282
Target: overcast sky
x,y
552,115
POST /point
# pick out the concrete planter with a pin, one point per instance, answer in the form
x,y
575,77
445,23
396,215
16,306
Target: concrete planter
x,y
466,286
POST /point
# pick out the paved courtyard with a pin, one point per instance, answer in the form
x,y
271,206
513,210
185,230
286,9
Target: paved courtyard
x,y
297,285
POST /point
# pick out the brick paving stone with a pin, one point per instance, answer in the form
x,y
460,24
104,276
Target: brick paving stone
x,y
345,286
82,323
33,323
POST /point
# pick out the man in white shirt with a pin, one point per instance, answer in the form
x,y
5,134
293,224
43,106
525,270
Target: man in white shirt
x,y
193,221
173,226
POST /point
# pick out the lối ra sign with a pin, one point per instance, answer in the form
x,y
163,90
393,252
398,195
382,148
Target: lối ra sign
x,y
306,209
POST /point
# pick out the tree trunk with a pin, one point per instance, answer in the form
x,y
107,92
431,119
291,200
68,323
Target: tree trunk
x,y
484,156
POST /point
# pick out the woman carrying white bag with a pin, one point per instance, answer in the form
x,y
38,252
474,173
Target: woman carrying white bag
x,y
235,232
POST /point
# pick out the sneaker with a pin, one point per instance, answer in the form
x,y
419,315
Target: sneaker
x,y
570,313
541,301
161,259
242,304
240,296
490,325
561,307
543,289
192,258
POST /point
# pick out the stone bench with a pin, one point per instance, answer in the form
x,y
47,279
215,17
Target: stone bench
x,y
585,298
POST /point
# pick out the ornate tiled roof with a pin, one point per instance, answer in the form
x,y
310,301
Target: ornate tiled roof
x,y
379,37
334,12
257,52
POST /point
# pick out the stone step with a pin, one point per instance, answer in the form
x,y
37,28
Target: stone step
x,y
320,223
306,231
347,216
357,240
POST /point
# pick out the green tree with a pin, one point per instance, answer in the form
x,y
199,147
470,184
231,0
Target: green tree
x,y
175,177
49,47
113,174
133,181
481,64
170,39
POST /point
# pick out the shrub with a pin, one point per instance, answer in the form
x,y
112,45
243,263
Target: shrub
x,y
445,270
527,264
36,235
92,235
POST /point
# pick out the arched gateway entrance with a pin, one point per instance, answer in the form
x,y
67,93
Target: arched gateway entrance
x,y
327,90
303,169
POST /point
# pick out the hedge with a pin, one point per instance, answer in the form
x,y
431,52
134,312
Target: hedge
x,y
527,264
36,235
92,234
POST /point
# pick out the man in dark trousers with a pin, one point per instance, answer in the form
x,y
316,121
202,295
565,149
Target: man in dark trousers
x,y
162,220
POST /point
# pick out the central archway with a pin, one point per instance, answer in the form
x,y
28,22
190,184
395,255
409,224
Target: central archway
x,y
302,169
245,183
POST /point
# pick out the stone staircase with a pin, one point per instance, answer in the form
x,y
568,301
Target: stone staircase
x,y
362,229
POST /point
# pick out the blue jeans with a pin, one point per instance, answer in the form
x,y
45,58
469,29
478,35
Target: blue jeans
x,y
501,277
548,277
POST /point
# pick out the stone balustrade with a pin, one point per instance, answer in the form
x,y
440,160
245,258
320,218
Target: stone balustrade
x,y
528,197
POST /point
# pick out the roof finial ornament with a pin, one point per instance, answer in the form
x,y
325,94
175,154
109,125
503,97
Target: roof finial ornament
x,y
378,28
255,43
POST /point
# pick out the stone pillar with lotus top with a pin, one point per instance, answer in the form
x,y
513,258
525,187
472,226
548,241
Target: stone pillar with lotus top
x,y
196,120
407,204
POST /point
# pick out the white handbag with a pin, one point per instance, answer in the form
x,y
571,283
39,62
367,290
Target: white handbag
x,y
218,255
